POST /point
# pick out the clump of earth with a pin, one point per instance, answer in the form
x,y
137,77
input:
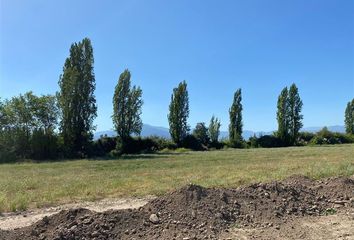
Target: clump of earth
x,y
195,212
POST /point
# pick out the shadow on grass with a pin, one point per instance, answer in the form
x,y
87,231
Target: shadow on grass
x,y
140,156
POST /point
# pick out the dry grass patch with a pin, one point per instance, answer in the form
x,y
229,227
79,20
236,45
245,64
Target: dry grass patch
x,y
28,185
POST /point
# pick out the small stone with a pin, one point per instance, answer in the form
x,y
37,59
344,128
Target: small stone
x,y
340,202
73,227
154,219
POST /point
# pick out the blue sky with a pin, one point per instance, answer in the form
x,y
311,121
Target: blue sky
x,y
216,46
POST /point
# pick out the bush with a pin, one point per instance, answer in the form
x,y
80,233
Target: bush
x,y
191,142
44,146
306,136
103,146
327,137
163,143
332,138
7,154
269,141
253,142
237,143
216,145
134,145
344,138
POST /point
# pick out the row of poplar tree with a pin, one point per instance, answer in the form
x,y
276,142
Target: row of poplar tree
x,y
62,124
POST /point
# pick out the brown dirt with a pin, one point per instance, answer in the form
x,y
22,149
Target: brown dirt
x,y
13,220
259,211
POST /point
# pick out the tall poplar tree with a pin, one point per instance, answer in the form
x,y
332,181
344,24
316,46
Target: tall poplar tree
x,y
178,113
77,100
214,129
235,112
283,116
349,117
295,116
127,103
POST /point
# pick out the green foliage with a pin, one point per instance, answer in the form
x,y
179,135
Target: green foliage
x,y
127,105
282,117
27,127
295,116
235,127
134,145
330,211
289,115
269,141
265,141
114,146
214,130
178,113
103,146
163,143
77,100
44,145
191,142
349,117
305,138
253,142
200,132
327,137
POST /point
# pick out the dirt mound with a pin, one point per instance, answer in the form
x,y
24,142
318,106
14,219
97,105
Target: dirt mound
x,y
194,212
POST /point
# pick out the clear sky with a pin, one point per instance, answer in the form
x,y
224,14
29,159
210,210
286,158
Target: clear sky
x,y
260,46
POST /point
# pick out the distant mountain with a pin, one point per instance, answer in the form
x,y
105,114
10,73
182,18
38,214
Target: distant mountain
x,y
336,128
246,134
149,130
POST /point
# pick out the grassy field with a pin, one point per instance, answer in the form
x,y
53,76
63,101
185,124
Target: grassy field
x,y
29,185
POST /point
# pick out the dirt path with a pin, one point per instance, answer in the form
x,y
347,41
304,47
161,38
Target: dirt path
x,y
9,221
339,226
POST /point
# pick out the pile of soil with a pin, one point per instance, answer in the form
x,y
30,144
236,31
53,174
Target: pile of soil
x,y
194,212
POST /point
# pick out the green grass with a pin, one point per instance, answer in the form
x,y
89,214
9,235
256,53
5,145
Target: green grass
x,y
29,185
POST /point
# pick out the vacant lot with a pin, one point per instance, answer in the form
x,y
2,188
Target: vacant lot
x,y
29,185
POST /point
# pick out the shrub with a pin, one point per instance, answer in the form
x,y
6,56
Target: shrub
x,y
163,143
201,134
44,145
306,136
191,142
7,154
344,138
327,137
237,143
269,141
216,145
253,142
103,146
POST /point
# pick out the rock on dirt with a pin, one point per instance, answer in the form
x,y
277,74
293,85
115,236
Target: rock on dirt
x,y
194,212
154,219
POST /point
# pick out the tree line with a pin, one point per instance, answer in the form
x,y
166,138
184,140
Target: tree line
x,y
61,125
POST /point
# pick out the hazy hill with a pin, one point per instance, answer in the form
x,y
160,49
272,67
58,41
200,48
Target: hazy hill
x,y
149,130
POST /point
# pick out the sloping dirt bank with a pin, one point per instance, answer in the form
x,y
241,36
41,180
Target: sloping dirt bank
x,y
194,212
10,221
